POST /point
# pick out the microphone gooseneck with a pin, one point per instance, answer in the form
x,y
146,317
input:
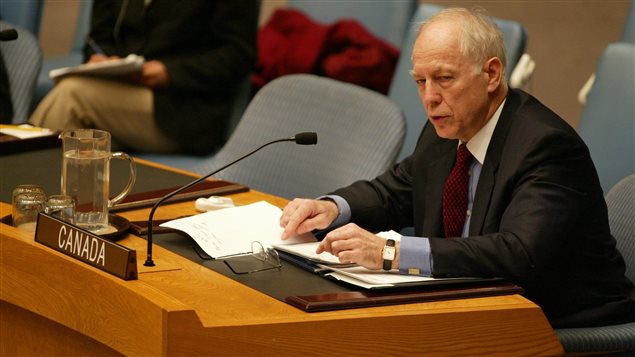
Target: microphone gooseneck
x,y
306,138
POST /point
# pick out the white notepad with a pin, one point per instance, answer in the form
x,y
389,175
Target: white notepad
x,y
110,68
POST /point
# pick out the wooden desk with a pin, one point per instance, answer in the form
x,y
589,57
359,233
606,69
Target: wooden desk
x,y
52,304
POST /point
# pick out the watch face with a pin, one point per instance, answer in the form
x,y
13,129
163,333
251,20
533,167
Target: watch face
x,y
389,253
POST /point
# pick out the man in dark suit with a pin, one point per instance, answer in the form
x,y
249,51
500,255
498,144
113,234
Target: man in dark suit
x,y
197,52
534,212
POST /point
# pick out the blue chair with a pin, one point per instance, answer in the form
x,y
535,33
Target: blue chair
x,y
359,132
387,19
73,58
403,89
618,340
628,36
26,14
23,59
608,121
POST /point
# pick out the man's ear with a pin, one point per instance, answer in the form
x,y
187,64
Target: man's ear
x,y
494,70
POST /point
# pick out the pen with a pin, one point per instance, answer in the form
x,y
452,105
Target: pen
x,y
95,46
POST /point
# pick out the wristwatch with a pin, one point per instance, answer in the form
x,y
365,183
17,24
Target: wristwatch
x,y
388,254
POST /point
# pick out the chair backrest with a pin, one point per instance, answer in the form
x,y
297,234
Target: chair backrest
x,y
24,13
403,90
359,131
385,19
23,59
621,205
608,121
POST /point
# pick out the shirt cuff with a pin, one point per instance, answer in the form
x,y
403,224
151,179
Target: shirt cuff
x,y
344,208
415,257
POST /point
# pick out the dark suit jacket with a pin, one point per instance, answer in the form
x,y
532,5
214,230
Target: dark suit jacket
x,y
539,217
208,47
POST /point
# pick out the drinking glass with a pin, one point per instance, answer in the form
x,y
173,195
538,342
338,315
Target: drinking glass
x,y
61,207
26,208
24,188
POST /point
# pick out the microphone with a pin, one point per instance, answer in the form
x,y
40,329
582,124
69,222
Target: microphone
x,y
8,35
306,138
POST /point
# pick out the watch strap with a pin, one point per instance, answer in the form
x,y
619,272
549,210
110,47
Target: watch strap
x,y
388,262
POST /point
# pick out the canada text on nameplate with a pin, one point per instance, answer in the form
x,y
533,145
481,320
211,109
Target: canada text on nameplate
x,y
86,246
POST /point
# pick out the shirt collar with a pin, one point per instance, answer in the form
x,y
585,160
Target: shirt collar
x,y
480,141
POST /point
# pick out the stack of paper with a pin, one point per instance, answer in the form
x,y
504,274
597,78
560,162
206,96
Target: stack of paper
x,y
230,231
24,131
110,68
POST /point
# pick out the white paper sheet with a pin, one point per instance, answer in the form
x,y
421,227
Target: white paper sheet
x,y
24,131
231,231
110,68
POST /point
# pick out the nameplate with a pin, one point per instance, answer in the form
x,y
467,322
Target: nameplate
x,y
83,245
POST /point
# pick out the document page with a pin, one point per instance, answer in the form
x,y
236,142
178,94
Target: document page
x,y
24,131
110,68
307,251
231,231
372,279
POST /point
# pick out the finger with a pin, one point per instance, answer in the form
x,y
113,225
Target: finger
x,y
343,245
287,212
295,219
348,257
335,235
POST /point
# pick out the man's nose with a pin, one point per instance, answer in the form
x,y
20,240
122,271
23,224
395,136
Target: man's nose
x,y
430,96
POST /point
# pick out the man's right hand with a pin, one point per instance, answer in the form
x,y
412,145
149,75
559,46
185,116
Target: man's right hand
x,y
304,215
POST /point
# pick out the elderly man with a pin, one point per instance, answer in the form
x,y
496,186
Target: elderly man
x,y
498,186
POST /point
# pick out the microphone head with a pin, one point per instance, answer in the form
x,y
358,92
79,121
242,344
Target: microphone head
x,y
306,138
8,35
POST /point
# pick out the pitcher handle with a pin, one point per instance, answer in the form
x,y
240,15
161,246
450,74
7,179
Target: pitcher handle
x,y
131,180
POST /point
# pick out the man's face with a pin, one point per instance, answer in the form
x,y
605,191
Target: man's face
x,y
452,88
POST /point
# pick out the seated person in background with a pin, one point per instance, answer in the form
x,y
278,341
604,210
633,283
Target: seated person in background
x,y
531,210
197,54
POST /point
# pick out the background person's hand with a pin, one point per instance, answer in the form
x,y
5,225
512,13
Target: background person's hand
x,y
97,57
155,75
304,215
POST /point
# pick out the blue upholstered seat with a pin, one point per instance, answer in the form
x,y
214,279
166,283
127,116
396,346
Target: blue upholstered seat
x,y
388,20
617,339
608,121
23,59
26,14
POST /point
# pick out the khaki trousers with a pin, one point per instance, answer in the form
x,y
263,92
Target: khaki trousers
x,y
125,110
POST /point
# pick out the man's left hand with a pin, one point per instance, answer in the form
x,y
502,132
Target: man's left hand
x,y
352,244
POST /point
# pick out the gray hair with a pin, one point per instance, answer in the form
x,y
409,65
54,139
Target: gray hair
x,y
481,38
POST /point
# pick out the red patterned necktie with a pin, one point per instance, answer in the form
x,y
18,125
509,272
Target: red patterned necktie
x,y
455,194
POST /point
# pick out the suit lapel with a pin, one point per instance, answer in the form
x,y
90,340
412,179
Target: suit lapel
x,y
487,179
437,174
